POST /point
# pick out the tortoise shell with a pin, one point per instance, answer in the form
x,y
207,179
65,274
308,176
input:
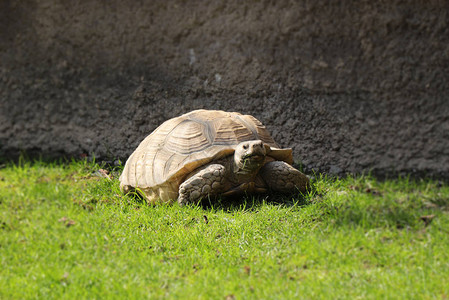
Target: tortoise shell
x,y
180,145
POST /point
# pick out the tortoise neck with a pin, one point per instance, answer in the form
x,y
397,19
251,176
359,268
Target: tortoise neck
x,y
244,171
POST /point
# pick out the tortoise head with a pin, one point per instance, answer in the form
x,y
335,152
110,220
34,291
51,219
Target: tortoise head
x,y
249,156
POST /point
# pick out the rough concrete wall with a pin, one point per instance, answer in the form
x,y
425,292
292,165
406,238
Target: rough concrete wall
x,y
350,85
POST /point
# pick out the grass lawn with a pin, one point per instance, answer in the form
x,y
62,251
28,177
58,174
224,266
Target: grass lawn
x,y
67,232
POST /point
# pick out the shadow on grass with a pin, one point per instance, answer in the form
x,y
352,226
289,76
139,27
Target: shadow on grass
x,y
376,216
400,207
237,203
253,202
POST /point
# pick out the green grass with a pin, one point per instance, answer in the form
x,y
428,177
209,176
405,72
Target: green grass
x,y
66,232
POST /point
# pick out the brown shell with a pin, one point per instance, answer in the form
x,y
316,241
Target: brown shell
x,y
180,145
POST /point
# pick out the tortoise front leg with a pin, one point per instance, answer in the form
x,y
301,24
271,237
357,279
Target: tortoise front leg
x,y
281,177
208,182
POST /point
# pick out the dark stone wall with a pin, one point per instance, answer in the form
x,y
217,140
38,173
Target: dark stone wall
x,y
352,86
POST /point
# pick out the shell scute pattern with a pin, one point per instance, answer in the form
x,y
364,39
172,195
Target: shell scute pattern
x,y
180,145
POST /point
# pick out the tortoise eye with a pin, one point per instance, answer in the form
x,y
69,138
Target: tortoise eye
x,y
245,147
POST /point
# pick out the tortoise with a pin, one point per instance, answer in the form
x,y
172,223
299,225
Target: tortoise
x,y
208,153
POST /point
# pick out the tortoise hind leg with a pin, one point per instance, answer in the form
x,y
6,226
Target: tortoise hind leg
x,y
208,182
281,177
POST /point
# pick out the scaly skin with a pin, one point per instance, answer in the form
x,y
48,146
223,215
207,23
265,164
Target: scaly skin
x,y
281,177
210,181
246,171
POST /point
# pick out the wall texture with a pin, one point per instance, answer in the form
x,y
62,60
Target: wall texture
x,y
352,86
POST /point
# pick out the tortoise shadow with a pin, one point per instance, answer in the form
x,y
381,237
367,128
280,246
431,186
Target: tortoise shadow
x,y
240,202
253,202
